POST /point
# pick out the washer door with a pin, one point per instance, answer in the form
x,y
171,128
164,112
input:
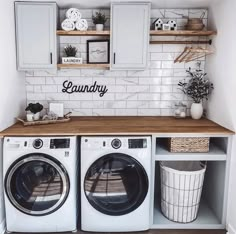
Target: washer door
x,y
37,184
116,184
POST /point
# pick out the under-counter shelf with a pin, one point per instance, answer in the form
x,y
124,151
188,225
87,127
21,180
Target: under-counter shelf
x,y
215,154
206,219
217,151
212,209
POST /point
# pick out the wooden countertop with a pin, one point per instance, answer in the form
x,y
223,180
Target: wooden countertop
x,y
120,126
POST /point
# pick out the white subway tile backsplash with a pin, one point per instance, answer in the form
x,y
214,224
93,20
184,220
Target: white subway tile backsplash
x,y
35,80
149,112
126,112
149,96
103,112
150,92
163,56
137,104
138,88
176,13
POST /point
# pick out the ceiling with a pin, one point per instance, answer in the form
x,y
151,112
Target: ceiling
x,y
155,3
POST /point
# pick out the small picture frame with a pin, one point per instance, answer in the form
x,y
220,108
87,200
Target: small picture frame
x,y
98,51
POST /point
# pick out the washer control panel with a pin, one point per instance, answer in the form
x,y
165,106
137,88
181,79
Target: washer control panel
x,y
37,143
137,143
63,143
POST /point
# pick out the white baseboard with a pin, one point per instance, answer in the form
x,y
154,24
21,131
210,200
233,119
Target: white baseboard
x,y
231,229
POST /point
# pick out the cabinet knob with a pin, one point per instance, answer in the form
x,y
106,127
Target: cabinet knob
x,y
51,57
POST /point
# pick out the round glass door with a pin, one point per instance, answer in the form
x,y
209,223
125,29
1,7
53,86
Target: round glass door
x,y
37,184
116,184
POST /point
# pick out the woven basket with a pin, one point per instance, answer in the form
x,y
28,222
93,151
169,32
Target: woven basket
x,y
188,144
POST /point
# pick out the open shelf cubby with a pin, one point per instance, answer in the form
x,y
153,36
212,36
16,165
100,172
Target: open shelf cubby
x,y
211,211
217,151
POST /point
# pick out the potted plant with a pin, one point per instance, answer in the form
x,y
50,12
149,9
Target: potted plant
x,y
35,109
99,20
70,58
198,88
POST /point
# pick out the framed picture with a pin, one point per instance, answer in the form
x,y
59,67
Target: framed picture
x,y
98,51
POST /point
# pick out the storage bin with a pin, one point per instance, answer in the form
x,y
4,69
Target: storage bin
x,y
181,188
188,144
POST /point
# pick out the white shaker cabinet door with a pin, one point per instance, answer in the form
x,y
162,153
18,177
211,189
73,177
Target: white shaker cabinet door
x,y
129,35
36,35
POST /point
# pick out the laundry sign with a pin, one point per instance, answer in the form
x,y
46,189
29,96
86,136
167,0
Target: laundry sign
x,y
69,87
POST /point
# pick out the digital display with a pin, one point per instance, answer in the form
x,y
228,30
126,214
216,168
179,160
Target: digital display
x,y
137,143
59,143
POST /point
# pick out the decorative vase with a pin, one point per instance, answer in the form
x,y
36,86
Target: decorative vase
x,y
36,116
196,110
99,27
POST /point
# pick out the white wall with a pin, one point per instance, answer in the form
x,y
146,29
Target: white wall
x,y
221,70
12,86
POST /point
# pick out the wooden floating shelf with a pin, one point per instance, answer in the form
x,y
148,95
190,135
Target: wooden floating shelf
x,y
83,33
182,33
90,66
152,33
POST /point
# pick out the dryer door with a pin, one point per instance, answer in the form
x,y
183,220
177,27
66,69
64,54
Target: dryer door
x,y
37,184
116,184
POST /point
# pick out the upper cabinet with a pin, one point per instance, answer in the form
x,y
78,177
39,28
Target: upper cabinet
x,y
36,35
130,24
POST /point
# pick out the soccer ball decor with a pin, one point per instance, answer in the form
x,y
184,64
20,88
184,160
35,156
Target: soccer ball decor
x,y
158,24
173,25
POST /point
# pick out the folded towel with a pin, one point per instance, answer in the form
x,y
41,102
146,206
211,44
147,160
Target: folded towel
x,y
73,14
81,25
68,25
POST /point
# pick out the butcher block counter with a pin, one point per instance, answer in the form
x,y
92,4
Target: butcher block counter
x,y
119,126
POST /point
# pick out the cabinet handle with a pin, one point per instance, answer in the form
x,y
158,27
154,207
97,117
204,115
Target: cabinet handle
x,y
114,58
51,57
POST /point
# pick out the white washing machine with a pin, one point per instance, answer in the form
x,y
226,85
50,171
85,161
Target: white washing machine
x,y
40,181
115,183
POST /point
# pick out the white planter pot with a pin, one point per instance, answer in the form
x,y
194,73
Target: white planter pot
x,y
196,110
36,116
99,27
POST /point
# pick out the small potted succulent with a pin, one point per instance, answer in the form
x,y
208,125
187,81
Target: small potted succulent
x,y
34,109
99,20
198,88
71,58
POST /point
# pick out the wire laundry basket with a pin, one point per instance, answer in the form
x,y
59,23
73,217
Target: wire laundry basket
x,y
181,188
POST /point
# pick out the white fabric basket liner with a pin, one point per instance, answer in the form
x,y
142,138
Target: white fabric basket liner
x,y
181,187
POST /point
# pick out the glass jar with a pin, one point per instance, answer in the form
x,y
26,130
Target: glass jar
x,y
180,110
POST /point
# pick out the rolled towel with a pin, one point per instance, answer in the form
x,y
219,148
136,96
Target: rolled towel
x,y
68,25
81,25
73,14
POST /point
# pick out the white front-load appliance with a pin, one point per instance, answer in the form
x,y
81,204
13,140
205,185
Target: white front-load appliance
x,y
40,184
115,183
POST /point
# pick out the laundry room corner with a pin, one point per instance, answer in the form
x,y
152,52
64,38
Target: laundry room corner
x,y
12,85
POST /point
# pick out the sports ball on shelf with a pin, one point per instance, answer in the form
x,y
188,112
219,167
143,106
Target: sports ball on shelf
x,y
158,24
173,25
